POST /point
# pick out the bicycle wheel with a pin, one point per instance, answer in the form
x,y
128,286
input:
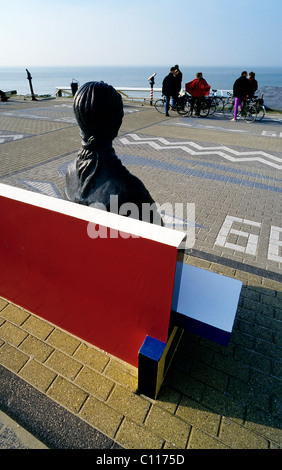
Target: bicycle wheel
x,y
205,109
160,106
250,113
219,104
183,108
213,106
228,110
260,112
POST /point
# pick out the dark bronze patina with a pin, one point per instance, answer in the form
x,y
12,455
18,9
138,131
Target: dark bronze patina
x,y
97,173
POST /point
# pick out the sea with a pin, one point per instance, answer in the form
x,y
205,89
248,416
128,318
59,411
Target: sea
x,y
46,79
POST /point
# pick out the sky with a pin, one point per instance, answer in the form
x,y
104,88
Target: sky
x,y
147,32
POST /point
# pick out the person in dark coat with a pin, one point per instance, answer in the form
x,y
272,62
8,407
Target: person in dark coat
x,y
97,173
240,92
253,85
169,89
178,77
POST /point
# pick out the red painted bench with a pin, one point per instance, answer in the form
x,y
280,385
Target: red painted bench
x,y
111,291
110,280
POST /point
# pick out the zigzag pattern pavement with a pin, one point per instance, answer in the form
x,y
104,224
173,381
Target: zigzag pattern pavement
x,y
192,148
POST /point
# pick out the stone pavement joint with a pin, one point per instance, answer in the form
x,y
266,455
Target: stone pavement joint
x,y
70,394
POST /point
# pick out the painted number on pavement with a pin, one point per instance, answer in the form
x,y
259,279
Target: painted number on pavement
x,y
243,235
271,134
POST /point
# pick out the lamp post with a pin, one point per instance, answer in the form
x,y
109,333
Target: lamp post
x,y
29,77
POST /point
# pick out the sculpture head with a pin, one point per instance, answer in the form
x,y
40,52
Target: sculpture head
x,y
98,110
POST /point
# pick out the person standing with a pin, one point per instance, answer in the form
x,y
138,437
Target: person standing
x,y
240,92
253,85
178,78
169,89
198,88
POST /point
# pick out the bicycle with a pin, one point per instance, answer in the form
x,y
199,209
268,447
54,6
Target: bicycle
x,y
160,105
217,103
182,106
207,106
248,111
259,104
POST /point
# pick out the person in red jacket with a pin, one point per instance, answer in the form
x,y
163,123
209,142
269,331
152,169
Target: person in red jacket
x,y
198,88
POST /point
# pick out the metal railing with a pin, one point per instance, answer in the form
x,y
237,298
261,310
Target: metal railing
x,y
128,93
131,93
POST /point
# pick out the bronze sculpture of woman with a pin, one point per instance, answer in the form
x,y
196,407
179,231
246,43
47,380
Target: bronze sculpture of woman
x,y
97,173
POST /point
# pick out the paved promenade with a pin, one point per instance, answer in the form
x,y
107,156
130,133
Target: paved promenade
x,y
63,393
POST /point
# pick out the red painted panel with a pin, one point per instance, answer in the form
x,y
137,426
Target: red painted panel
x,y
111,292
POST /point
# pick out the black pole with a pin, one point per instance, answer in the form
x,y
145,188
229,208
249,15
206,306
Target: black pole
x,y
29,77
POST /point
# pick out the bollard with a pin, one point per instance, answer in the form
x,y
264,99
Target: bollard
x,y
74,86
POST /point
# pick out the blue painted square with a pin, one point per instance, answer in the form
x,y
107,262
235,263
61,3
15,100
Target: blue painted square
x,y
152,348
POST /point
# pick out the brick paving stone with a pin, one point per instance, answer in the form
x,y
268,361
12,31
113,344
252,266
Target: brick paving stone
x,y
124,374
249,395
198,415
209,376
202,440
265,425
67,394
12,334
36,348
133,436
231,367
63,364
92,357
184,383
63,341
37,375
3,303
94,383
224,404
168,398
241,437
128,403
37,327
12,358
276,407
14,314
168,426
252,358
102,416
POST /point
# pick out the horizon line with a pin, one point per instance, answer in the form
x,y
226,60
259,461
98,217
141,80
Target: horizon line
x,y
140,65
